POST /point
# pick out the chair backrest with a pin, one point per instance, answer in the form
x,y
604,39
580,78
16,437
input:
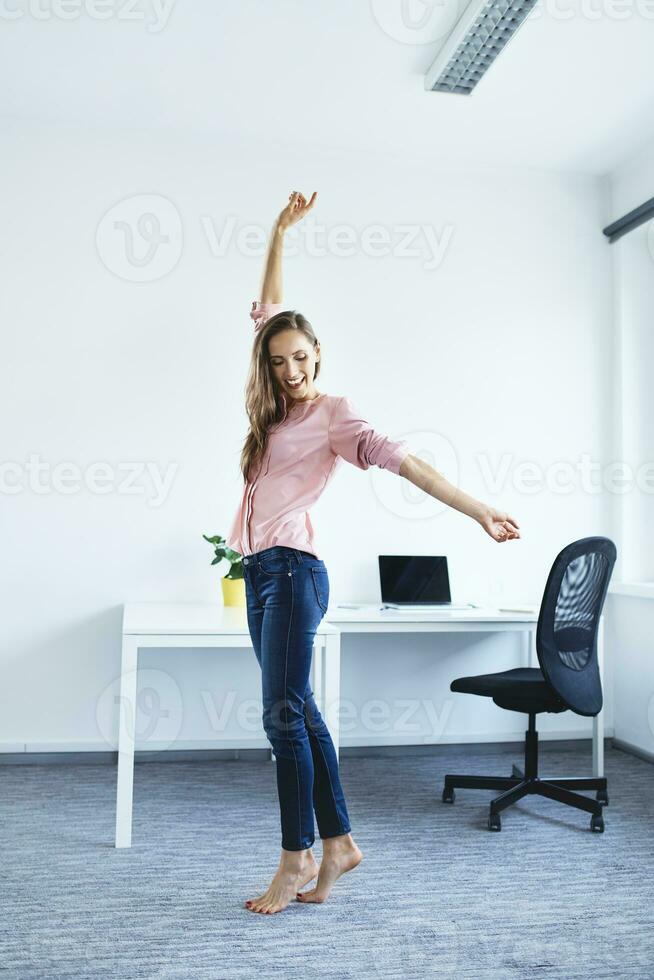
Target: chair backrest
x,y
566,635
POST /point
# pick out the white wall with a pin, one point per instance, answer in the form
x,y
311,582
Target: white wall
x,y
498,356
633,616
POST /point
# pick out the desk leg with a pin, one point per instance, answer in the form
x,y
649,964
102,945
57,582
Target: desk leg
x,y
126,732
598,720
532,656
332,686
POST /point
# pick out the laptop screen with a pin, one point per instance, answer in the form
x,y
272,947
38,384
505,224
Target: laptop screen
x,y
414,578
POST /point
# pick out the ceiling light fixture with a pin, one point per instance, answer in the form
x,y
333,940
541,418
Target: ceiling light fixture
x,y
484,28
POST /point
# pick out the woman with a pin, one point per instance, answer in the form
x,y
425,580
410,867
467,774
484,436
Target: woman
x,y
297,437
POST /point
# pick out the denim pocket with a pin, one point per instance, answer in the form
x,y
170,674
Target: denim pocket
x,y
275,565
321,586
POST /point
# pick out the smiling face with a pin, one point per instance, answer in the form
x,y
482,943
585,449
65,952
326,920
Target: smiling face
x,y
293,363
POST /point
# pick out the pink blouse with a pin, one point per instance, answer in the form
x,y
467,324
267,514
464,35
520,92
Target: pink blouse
x,y
302,454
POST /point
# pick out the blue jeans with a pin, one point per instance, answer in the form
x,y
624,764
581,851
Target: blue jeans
x,y
287,593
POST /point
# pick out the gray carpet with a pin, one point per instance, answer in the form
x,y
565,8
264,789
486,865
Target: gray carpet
x,y
436,895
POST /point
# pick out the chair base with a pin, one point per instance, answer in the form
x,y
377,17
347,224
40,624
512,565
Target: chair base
x,y
520,784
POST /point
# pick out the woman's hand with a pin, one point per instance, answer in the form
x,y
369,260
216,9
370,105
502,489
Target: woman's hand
x,y
498,524
295,210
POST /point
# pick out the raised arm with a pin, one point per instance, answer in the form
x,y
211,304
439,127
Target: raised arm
x,y
497,523
271,286
272,291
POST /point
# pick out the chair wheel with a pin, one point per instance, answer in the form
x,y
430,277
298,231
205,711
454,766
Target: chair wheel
x,y
494,822
449,795
597,823
602,797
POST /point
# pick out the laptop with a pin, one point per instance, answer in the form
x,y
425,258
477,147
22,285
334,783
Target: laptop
x,y
416,582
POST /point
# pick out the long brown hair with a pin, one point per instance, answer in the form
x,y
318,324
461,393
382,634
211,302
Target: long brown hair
x,y
262,404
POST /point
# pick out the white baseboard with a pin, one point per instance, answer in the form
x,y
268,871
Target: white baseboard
x,y
466,738
461,738
632,749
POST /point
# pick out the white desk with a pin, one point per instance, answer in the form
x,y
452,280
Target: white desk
x,y
375,620
192,625
178,625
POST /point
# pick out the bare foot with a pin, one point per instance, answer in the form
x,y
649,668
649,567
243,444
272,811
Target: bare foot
x,y
296,869
340,854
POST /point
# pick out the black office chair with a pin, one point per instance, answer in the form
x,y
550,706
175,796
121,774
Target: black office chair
x,y
568,678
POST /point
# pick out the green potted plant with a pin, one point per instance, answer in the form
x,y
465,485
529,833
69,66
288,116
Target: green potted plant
x,y
233,583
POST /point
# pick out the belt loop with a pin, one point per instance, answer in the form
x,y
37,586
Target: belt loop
x,y
298,555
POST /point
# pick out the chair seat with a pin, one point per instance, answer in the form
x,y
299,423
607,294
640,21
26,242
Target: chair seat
x,y
520,689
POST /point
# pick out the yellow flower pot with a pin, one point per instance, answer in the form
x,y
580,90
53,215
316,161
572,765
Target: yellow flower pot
x,y
233,591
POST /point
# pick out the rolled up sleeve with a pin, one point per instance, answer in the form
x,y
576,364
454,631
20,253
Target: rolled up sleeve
x,y
261,312
355,440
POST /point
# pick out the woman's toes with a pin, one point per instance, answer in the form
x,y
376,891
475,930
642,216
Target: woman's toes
x,y
309,896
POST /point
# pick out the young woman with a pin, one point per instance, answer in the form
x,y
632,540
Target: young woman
x,y
297,437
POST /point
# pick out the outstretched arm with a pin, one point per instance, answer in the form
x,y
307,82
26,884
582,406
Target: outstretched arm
x,y
497,523
272,287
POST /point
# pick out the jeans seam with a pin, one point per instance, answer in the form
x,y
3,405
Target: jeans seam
x,y
331,786
315,589
281,574
297,771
